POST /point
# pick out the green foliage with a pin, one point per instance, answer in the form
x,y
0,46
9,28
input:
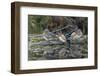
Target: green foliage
x,y
37,39
36,24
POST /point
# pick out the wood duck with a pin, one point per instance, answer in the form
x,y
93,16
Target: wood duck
x,y
61,37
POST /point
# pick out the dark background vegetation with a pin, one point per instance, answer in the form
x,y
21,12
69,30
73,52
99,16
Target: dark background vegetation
x,y
36,24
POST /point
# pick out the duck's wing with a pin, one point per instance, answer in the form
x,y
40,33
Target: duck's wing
x,y
62,38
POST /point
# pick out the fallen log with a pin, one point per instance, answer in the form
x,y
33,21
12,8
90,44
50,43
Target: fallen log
x,y
46,43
